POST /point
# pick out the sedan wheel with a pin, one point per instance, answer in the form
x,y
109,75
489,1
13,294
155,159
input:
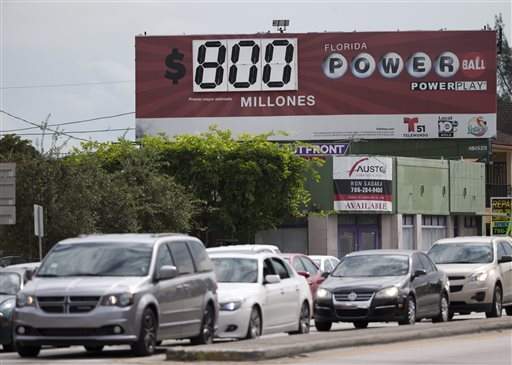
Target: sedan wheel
x,y
254,330
304,320
360,324
496,304
411,312
444,311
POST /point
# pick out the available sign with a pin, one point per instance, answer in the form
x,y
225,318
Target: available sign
x,y
363,183
319,86
501,219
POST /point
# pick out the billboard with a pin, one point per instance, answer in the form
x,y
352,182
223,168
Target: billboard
x,y
501,216
363,183
320,86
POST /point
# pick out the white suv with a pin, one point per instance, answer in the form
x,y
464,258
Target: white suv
x,y
480,273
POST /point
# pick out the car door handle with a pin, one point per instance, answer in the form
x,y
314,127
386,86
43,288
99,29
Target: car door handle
x,y
282,291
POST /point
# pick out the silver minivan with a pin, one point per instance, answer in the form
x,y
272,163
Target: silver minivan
x,y
136,289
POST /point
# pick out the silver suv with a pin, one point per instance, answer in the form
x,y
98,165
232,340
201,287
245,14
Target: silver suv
x,y
480,273
135,289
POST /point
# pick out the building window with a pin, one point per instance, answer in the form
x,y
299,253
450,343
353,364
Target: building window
x,y
470,221
434,228
408,231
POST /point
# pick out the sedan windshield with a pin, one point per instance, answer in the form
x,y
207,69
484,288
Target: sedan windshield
x,y
97,259
461,253
235,270
9,283
373,265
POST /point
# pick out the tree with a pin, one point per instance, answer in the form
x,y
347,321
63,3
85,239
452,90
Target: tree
x,y
13,148
244,185
504,63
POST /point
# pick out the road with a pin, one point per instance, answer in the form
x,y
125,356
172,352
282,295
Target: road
x,y
491,348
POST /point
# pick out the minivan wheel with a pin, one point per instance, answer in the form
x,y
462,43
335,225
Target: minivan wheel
x,y
28,351
444,311
254,328
207,328
93,349
496,304
411,312
146,342
323,326
360,324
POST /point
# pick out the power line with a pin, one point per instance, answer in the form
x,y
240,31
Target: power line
x,y
74,122
73,132
66,85
41,127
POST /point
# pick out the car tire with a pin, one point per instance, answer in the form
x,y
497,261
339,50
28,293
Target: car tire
x,y
146,342
28,351
94,349
304,320
207,332
9,348
451,315
323,326
508,310
497,301
410,318
255,325
444,310
360,324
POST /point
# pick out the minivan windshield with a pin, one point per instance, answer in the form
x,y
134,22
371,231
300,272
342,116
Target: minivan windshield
x,y
235,270
97,259
372,265
461,253
9,283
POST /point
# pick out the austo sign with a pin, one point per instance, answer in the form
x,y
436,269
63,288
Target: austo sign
x,y
319,86
363,183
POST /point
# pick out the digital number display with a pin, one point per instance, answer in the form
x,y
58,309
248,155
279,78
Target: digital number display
x,y
244,65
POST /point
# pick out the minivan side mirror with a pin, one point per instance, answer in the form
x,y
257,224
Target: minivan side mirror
x,y
420,272
29,274
272,279
504,259
325,274
167,272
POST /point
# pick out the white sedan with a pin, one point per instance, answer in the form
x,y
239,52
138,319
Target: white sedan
x,y
325,263
259,294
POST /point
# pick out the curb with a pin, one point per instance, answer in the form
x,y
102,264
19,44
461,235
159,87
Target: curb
x,y
256,350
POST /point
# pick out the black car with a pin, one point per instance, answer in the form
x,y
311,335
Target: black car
x,y
382,286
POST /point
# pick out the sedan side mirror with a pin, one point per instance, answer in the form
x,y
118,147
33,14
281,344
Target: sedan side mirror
x,y
420,272
304,273
505,259
167,272
272,279
325,274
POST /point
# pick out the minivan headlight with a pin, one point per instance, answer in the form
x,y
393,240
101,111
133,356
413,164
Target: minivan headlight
x,y
119,300
479,276
390,292
25,300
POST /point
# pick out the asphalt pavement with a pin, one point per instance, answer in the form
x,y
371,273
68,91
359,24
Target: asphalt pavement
x,y
122,355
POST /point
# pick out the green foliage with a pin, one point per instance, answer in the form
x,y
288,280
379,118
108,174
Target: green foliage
x,y
80,195
504,64
13,148
244,185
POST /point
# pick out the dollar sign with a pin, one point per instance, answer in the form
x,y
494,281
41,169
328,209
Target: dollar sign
x,y
178,70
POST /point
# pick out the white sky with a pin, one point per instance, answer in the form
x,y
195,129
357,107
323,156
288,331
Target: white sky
x,y
66,42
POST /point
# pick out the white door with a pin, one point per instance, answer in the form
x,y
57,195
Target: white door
x,y
290,293
273,304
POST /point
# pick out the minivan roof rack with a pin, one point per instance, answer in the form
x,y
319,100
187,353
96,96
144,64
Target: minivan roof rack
x,y
166,234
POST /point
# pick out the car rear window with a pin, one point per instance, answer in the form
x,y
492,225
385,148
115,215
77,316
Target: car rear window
x,y
461,253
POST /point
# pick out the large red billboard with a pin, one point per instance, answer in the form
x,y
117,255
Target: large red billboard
x,y
320,86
